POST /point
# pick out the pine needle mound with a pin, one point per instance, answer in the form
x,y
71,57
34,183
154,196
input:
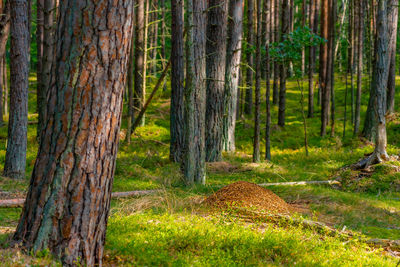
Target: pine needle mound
x,y
248,195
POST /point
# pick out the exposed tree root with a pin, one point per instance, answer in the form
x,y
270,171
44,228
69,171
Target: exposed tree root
x,y
372,159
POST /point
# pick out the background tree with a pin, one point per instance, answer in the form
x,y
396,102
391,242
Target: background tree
x,y
323,67
256,143
393,10
232,72
216,63
359,60
195,93
248,105
15,161
70,191
177,79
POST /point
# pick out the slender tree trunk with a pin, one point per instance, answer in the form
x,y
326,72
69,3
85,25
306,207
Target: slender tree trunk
x,y
5,80
163,33
39,56
195,93
216,63
351,57
69,197
131,69
275,92
311,61
4,33
283,71
269,35
393,9
331,61
360,35
140,70
323,67
248,107
303,24
177,80
232,73
379,83
15,161
154,36
256,143
47,58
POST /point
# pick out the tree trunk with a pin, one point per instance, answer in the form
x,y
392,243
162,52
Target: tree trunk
x,y
360,41
154,36
140,70
195,93
39,56
282,88
248,105
69,197
331,61
163,33
393,9
311,60
216,63
4,32
303,24
47,58
177,81
275,92
379,83
323,67
5,80
269,34
15,161
256,143
131,69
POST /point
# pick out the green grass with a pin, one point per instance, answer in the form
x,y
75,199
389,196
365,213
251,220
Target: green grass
x,y
169,229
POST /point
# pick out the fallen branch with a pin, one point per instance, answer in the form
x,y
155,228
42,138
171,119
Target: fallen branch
x,y
330,182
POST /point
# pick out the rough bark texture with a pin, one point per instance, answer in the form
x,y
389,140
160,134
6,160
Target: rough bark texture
x,y
216,62
393,10
177,78
47,58
39,55
323,66
232,73
248,105
140,72
15,161
379,83
195,93
70,190
282,84
360,41
256,143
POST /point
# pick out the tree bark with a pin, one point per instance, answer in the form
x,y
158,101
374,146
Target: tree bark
x,y
131,70
177,80
15,161
163,33
360,36
393,10
256,143
140,48
39,56
323,67
379,83
4,33
216,63
70,191
275,92
47,58
269,35
232,72
283,71
195,93
331,61
248,105
311,60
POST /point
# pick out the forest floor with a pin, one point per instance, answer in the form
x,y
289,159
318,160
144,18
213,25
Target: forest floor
x,y
172,227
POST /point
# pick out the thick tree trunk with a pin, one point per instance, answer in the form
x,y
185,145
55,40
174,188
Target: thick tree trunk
x,y
232,73
379,83
256,142
393,9
47,58
177,79
283,71
70,191
15,161
323,67
140,48
248,105
195,93
360,41
216,63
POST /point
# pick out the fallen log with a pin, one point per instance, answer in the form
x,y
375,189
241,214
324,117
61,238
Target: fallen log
x,y
19,202
329,182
